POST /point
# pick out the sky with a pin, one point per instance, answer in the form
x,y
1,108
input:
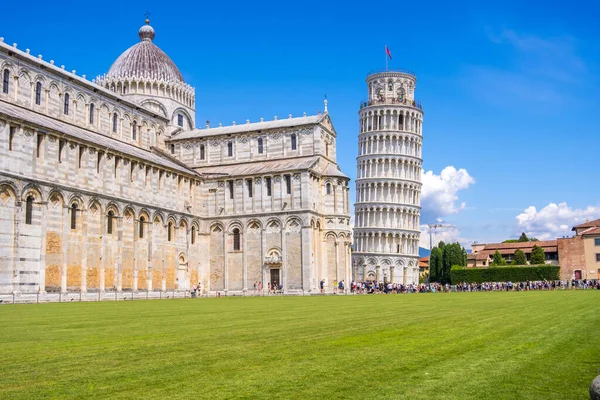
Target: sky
x,y
509,89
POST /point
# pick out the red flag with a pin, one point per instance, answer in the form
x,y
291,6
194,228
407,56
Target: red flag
x,y
388,52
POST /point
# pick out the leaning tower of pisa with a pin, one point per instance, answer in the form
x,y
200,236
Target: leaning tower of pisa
x,y
388,183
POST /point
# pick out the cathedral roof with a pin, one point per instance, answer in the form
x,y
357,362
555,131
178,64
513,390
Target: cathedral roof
x,y
51,125
145,60
250,127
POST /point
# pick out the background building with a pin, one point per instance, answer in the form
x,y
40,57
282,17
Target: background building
x,y
388,184
577,256
108,185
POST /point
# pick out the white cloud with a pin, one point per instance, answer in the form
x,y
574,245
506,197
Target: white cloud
x,y
554,220
446,234
439,195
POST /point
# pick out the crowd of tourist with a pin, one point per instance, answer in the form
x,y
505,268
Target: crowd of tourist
x,y
375,287
370,287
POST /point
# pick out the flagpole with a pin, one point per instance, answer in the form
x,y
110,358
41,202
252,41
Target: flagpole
x,y
386,58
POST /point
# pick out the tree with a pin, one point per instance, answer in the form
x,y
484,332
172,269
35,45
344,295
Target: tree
x,y
511,241
537,256
523,238
520,258
442,258
497,260
435,264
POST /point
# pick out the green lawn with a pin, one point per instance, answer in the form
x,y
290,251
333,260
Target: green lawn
x,y
527,345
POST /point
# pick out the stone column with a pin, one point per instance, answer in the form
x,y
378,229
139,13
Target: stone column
x,y
84,251
102,252
307,250
378,273
119,266
42,267
244,261
136,238
65,247
150,250
392,280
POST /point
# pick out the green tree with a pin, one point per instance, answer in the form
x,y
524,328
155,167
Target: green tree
x,y
523,238
435,263
511,241
497,260
520,258
537,256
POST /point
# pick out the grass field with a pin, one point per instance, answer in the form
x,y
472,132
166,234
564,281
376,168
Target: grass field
x,y
527,345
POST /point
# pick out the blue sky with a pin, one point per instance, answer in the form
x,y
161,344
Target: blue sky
x,y
510,90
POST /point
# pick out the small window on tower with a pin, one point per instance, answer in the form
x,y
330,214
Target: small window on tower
x,y
294,142
260,146
202,154
66,104
230,149
179,119
5,81
38,93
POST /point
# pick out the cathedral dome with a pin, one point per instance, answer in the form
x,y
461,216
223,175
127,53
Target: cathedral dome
x,y
145,60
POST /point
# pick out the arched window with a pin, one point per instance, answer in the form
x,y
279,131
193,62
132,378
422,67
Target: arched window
x,y
179,119
115,123
230,149
236,239
92,114
170,231
74,216
141,227
326,149
294,144
193,238
66,105
29,210
328,188
109,222
134,130
202,153
260,146
38,93
5,80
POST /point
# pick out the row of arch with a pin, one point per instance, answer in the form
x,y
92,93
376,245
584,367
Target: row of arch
x,y
60,100
273,225
31,196
392,86
386,242
389,167
388,193
390,144
390,119
179,92
387,217
384,262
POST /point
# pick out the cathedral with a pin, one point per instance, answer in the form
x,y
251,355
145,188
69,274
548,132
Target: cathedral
x,y
108,185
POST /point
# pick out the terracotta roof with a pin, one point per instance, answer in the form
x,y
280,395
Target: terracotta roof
x,y
45,123
591,231
424,262
588,224
520,245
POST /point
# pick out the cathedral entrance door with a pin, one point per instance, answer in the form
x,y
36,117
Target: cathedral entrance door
x,y
275,277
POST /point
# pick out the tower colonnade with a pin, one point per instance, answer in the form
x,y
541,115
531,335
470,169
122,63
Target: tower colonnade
x,y
388,184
